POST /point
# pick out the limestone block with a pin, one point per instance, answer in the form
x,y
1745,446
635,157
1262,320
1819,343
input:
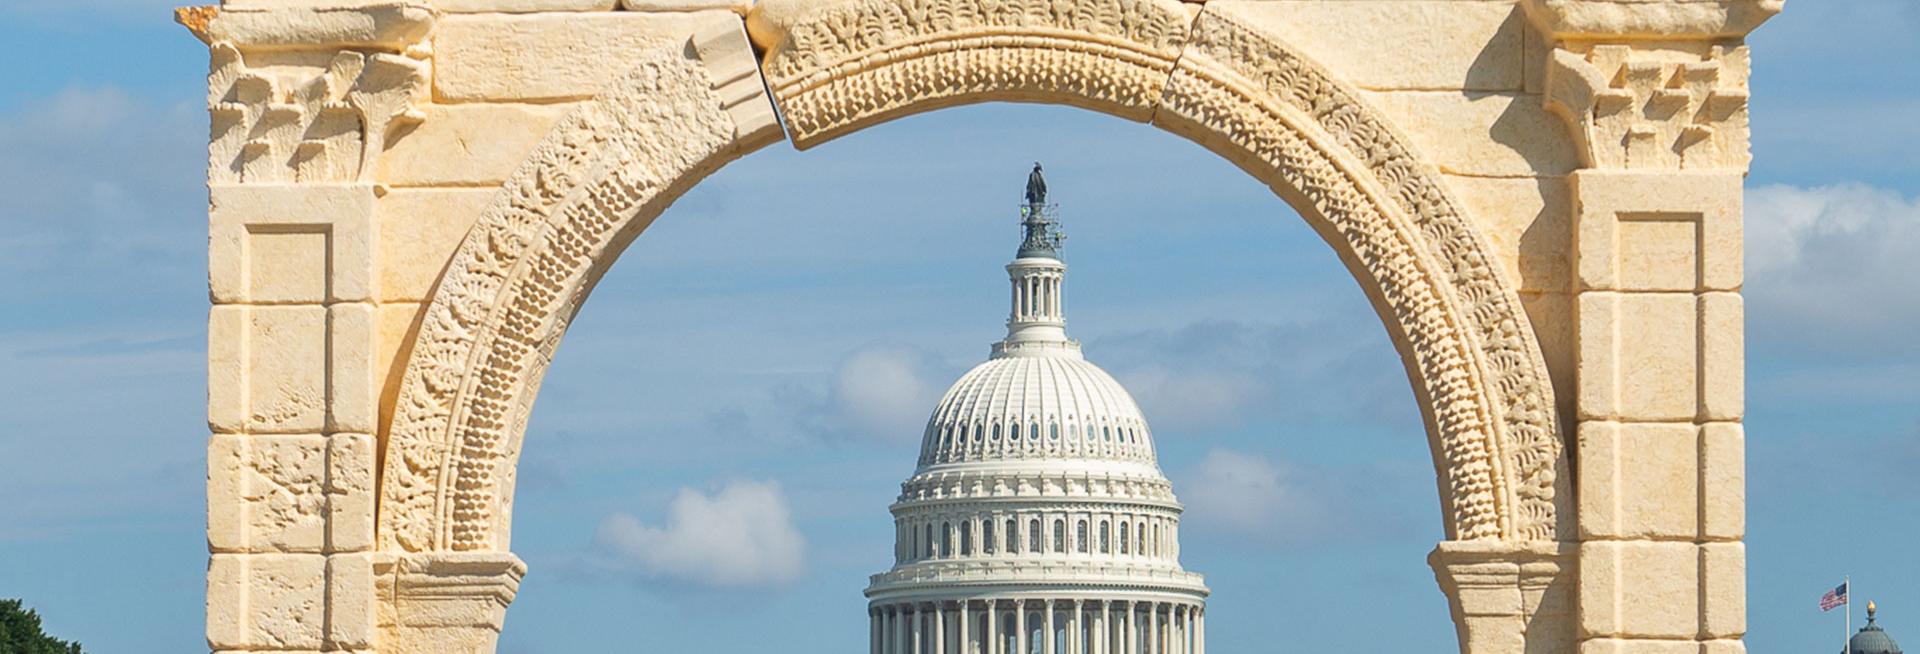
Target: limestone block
x,y
1724,646
1530,224
350,492
521,6
1639,589
283,369
1552,317
1481,134
490,141
1658,232
397,323
352,387
1639,480
1437,44
1723,481
1723,580
1674,19
1723,356
290,244
266,601
419,231
1638,356
383,24
350,601
1625,646
557,56
266,493
740,7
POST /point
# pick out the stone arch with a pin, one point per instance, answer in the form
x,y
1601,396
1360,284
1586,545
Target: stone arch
x,y
605,172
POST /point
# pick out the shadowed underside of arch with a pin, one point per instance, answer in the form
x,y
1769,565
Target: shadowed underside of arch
x,y
836,67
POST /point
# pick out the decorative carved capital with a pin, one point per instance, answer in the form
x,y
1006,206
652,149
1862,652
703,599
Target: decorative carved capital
x,y
1650,19
446,601
1499,590
1666,108
392,27
277,126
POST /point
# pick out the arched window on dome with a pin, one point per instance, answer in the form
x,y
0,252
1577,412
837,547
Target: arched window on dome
x,y
1013,536
1158,544
1033,536
996,432
1080,537
928,553
986,537
1106,538
1013,432
1140,537
1054,431
1125,540
1059,536
946,538
1033,431
914,535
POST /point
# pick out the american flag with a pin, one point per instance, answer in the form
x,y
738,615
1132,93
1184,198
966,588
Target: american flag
x,y
1834,598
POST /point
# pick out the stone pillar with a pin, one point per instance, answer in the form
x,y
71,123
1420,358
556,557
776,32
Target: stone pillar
x,y
993,631
1200,632
1076,641
939,628
1020,642
1048,632
1131,641
1656,95
966,625
1153,629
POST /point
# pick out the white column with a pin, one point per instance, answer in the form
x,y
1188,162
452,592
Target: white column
x,y
899,630
1154,644
993,631
1127,645
966,627
1049,619
1020,625
874,637
1200,632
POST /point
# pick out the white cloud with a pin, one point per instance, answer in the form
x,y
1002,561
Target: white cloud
x,y
1833,268
1214,374
741,536
878,392
1246,495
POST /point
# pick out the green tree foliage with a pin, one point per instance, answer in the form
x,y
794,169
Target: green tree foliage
x,y
20,632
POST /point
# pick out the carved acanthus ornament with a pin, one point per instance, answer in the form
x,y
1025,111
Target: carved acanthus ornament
x,y
1652,84
1635,108
293,119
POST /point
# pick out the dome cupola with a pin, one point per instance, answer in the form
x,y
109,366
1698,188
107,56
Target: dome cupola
x,y
1872,639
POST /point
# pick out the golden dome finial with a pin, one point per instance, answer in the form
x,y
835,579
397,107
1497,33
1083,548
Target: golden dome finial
x,y
1871,608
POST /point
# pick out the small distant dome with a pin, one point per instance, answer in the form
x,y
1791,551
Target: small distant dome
x,y
1872,639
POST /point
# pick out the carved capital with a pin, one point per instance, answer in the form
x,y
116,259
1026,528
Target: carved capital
x,y
1508,597
1650,19
307,125
1648,108
446,601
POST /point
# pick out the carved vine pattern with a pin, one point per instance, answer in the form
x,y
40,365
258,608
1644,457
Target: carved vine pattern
x,y
518,278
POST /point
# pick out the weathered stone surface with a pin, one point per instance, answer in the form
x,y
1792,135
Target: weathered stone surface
x,y
1529,222
1658,232
313,23
1639,481
1723,580
740,7
1723,481
285,369
521,6
474,145
270,494
1656,19
1437,44
352,386
1639,589
558,56
1723,361
350,488
1511,135
290,243
419,230
350,601
266,601
1639,356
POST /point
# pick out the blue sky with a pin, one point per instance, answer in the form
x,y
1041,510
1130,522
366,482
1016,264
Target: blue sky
x,y
762,358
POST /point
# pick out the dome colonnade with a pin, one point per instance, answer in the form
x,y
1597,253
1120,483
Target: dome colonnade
x,y
1037,520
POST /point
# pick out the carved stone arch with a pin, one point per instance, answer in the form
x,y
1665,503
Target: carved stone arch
x,y
605,172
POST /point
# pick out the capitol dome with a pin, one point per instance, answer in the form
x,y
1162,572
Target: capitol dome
x,y
1872,639
1037,520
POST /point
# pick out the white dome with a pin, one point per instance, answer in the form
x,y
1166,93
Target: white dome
x,y
1045,405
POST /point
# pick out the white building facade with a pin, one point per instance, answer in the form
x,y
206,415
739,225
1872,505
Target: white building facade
x,y
1037,520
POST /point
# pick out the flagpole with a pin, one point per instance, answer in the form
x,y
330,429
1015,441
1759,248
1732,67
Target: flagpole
x,y
1846,638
